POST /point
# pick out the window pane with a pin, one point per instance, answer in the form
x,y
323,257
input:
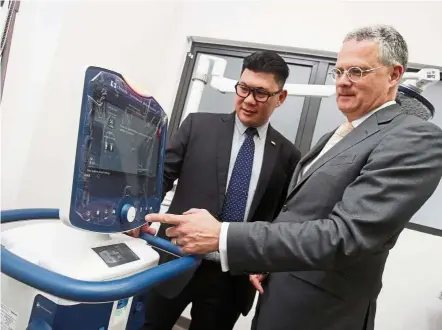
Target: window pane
x,y
429,214
286,118
329,116
214,101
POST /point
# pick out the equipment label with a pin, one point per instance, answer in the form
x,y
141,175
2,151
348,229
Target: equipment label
x,y
9,318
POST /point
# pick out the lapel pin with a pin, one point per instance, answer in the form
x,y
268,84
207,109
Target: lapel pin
x,y
273,142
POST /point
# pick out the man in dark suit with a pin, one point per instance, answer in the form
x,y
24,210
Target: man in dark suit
x,y
238,167
350,198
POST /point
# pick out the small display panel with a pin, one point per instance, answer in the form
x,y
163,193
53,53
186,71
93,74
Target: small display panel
x,y
116,254
120,155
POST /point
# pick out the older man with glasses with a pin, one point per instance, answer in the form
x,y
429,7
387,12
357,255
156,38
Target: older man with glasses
x,y
350,198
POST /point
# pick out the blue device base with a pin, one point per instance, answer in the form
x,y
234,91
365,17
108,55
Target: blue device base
x,y
47,315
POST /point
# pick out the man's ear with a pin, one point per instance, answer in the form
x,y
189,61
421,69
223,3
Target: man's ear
x,y
282,97
396,75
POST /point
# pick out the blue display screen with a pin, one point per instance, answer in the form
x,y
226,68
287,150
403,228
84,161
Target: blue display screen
x,y
124,141
120,154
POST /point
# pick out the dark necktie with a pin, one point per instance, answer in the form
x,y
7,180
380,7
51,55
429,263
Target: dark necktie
x,y
235,202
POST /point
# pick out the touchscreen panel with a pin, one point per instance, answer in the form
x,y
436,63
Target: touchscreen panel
x,y
120,155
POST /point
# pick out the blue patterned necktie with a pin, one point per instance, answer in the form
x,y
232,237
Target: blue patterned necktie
x,y
235,202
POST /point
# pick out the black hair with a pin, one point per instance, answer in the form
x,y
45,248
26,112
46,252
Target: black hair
x,y
267,61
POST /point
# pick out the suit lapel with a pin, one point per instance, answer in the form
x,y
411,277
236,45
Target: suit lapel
x,y
271,151
224,147
369,127
359,134
310,155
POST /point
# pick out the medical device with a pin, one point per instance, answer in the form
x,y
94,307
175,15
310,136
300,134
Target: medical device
x,y
83,272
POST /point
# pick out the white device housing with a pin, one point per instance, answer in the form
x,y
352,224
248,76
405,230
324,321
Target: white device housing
x,y
67,251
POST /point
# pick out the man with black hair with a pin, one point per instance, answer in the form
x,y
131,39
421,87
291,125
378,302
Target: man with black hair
x,y
238,168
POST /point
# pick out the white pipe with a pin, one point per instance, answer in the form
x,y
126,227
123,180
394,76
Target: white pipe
x,y
222,84
217,81
310,90
226,85
427,74
421,79
193,99
196,88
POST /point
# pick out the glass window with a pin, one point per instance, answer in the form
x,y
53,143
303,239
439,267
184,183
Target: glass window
x,y
430,214
329,116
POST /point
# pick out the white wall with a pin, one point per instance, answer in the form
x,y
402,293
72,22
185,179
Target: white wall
x,y
411,297
147,40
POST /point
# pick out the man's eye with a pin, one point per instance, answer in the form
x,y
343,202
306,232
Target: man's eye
x,y
261,93
355,71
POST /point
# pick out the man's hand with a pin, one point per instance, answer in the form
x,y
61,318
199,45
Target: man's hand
x,y
256,281
194,232
136,232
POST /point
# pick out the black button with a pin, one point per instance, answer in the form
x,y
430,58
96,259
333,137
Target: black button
x,y
285,208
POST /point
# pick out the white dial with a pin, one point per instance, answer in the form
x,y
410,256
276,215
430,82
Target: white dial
x,y
131,214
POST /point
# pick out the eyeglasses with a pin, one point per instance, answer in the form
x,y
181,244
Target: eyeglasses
x,y
260,94
353,74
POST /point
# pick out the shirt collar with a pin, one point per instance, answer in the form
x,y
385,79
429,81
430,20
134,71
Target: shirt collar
x,y
359,121
262,130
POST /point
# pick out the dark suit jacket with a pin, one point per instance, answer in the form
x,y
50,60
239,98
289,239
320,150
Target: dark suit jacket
x,y
329,244
199,155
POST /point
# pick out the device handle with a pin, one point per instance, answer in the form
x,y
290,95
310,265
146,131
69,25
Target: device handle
x,y
29,214
89,291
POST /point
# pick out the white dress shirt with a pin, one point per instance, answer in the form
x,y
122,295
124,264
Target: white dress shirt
x,y
238,139
225,225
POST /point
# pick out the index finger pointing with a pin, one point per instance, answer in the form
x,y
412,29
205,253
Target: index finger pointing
x,y
171,219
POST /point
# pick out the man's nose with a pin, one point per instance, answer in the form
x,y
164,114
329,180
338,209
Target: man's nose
x,y
250,99
343,80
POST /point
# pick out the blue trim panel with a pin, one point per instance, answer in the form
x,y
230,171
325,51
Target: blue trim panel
x,y
29,214
46,312
39,324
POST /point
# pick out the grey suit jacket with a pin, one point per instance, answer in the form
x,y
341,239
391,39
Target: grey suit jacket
x,y
328,246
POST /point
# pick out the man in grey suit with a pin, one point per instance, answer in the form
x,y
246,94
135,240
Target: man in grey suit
x,y
350,198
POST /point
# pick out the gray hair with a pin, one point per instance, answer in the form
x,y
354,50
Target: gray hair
x,y
392,47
